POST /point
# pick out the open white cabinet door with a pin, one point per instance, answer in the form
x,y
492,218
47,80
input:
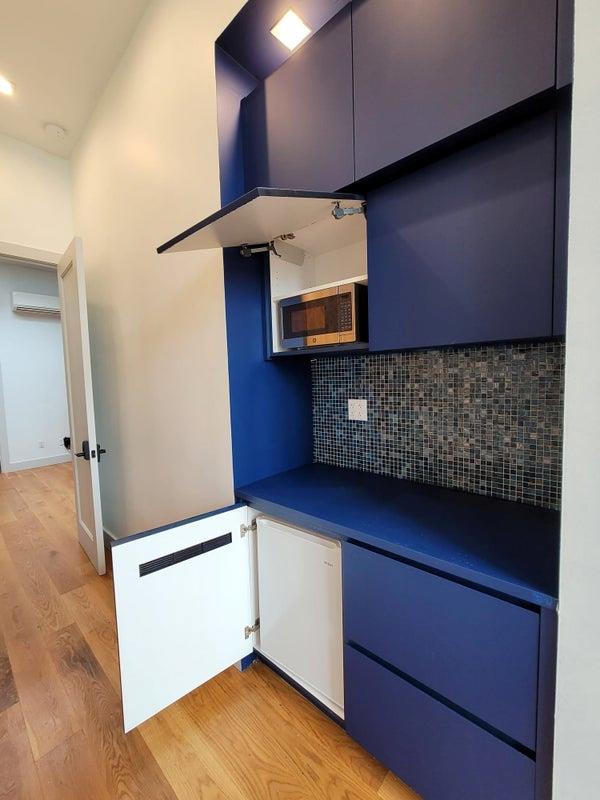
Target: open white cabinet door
x,y
84,446
185,605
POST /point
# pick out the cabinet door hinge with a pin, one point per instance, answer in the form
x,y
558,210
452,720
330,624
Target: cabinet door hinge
x,y
250,629
339,212
244,529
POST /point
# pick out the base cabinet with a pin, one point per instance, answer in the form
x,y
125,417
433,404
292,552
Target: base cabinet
x,y
440,753
196,597
447,684
477,651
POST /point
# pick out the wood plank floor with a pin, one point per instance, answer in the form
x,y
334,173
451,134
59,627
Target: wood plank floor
x,y
239,737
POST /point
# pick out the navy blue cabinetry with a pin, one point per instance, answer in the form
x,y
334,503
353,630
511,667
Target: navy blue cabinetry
x,y
425,71
256,144
449,685
435,749
561,231
298,125
462,250
271,425
475,650
449,626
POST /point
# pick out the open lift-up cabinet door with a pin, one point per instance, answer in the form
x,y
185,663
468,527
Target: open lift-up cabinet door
x,y
265,216
185,607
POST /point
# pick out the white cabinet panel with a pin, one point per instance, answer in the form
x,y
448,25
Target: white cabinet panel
x,y
300,599
183,599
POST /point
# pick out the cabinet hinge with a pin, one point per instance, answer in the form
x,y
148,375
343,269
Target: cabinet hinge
x,y
250,629
244,529
249,250
339,212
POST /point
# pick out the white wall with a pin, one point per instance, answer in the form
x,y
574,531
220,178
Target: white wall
x,y
147,167
35,197
577,743
33,402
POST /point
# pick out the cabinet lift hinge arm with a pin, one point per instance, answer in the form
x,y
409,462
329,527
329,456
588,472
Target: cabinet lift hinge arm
x,y
248,250
339,213
250,629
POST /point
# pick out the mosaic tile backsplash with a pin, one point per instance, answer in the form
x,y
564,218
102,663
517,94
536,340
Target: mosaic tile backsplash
x,y
481,419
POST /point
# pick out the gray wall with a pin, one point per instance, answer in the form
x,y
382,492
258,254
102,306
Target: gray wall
x,y
578,693
33,402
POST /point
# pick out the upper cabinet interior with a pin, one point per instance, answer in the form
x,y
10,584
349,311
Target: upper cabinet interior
x,y
426,71
316,245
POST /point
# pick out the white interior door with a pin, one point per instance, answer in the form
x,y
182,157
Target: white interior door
x,y
84,446
184,600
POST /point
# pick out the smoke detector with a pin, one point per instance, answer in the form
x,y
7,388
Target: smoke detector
x,y
55,131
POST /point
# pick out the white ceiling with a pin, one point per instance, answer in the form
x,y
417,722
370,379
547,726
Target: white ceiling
x,y
60,55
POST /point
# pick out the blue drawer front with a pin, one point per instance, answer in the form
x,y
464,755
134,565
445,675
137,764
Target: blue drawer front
x,y
436,751
479,652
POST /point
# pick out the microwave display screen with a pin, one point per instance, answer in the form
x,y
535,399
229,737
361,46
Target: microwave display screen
x,y
308,320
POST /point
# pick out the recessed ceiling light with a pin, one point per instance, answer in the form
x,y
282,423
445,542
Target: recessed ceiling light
x,y
290,30
6,87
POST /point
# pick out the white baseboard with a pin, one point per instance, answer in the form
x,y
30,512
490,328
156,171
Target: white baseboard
x,y
15,466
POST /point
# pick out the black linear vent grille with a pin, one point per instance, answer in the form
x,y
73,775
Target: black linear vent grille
x,y
182,555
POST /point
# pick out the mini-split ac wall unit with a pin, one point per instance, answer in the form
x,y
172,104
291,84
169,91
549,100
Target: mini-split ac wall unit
x,y
24,303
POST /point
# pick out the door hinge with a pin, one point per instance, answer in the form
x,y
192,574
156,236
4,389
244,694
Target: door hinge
x,y
249,250
339,212
250,629
244,529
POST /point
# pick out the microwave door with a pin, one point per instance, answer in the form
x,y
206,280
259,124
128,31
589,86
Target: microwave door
x,y
291,334
310,319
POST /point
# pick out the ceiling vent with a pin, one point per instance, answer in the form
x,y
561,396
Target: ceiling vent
x,y
24,303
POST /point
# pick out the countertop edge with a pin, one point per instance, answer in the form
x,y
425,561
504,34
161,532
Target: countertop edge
x,y
320,525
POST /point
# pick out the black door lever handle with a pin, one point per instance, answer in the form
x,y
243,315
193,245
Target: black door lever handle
x,y
85,451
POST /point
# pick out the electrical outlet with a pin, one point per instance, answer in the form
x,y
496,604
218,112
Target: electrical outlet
x,y
357,410
41,445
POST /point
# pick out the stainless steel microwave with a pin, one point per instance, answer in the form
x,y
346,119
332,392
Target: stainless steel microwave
x,y
327,316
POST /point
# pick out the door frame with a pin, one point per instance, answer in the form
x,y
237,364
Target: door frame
x,y
44,259
27,256
72,261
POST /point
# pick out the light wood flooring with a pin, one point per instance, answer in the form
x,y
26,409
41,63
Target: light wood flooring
x,y
240,737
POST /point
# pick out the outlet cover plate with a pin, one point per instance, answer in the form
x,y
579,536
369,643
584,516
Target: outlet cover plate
x,y
357,410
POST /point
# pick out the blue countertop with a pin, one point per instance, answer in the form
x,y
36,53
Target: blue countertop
x,y
504,546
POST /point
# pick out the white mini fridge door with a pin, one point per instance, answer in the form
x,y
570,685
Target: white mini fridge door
x,y
184,608
300,601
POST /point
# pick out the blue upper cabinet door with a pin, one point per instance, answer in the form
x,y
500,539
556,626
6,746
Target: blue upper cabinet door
x,y
426,70
564,43
561,230
255,143
299,124
462,250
